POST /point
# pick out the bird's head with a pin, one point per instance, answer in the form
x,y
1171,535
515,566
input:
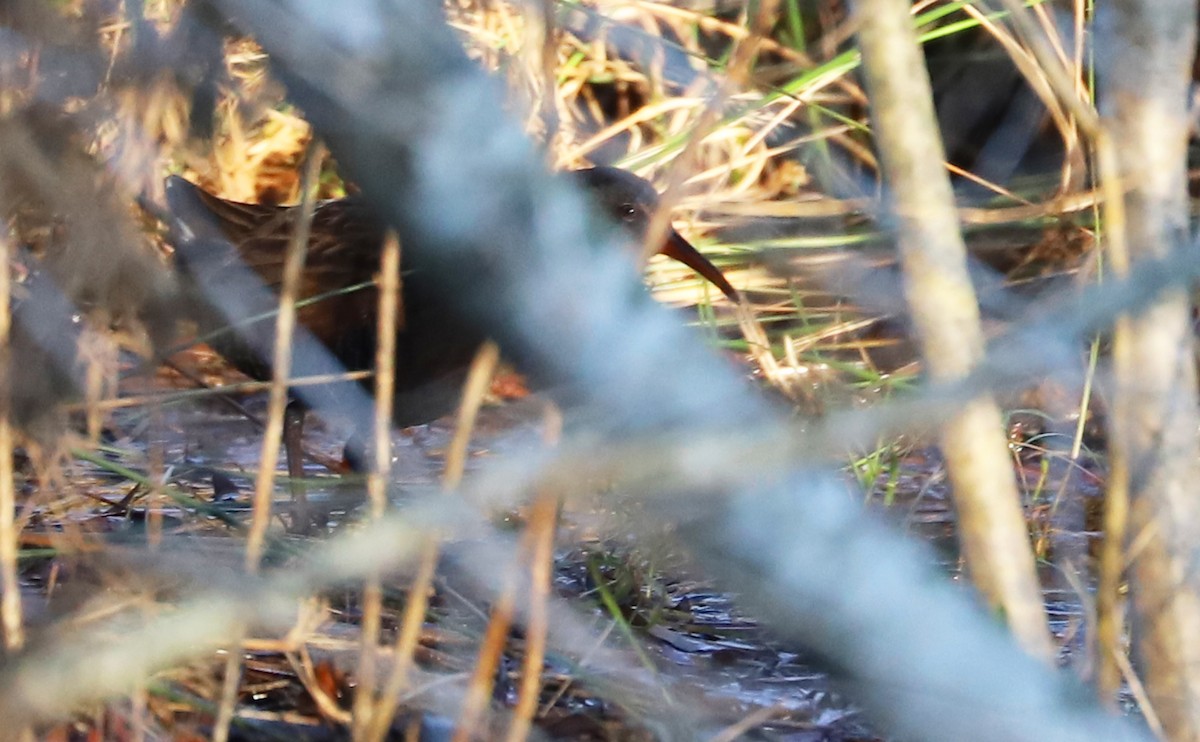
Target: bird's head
x,y
630,202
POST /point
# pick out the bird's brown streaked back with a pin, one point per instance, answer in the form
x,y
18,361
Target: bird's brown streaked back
x,y
433,347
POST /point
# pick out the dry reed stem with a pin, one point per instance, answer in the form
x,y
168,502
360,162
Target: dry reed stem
x,y
543,519
1074,159
1137,689
1110,604
404,651
478,377
230,684
1078,70
759,347
993,533
285,327
479,691
100,357
137,712
995,188
976,216
157,474
483,367
547,56
224,390
10,584
264,483
366,707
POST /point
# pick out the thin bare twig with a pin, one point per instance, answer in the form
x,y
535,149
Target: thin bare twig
x,y
1110,603
992,529
483,367
10,585
479,690
285,326
264,483
543,518
365,706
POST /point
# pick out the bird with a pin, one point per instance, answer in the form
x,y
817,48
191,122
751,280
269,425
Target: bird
x,y
216,240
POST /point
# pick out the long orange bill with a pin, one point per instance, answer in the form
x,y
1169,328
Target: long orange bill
x,y
680,249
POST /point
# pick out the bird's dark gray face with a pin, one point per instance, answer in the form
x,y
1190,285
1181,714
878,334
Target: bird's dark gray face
x,y
631,201
623,197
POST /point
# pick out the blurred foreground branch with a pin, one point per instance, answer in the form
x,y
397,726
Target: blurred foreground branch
x,y
1146,77
991,524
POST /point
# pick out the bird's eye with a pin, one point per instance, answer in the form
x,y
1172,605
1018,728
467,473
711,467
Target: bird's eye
x,y
627,211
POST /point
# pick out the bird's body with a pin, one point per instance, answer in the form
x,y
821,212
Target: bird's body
x,y
215,238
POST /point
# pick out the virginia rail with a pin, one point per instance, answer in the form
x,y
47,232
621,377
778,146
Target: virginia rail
x,y
214,238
